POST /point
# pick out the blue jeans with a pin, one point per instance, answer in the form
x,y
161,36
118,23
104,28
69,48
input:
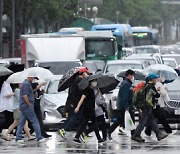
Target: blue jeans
x,y
147,117
27,113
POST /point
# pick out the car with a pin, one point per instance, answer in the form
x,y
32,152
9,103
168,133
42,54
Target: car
x,y
147,49
59,67
150,58
170,62
127,51
116,66
53,105
173,106
8,61
94,66
175,56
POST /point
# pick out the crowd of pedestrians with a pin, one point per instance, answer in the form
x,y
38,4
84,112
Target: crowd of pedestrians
x,y
84,106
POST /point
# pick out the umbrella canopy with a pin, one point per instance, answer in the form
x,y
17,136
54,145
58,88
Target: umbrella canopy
x,y
41,73
15,78
139,75
110,87
103,81
4,71
164,71
67,79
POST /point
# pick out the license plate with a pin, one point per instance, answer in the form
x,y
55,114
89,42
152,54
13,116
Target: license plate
x,y
177,112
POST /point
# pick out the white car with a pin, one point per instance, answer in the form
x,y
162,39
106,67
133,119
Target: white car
x,y
175,56
150,58
170,62
116,66
53,104
148,49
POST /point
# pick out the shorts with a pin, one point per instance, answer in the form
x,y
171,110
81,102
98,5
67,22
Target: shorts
x,y
16,114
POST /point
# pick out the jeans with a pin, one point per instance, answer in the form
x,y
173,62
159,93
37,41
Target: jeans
x,y
27,113
149,119
120,121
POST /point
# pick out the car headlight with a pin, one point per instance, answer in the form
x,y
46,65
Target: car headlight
x,y
49,104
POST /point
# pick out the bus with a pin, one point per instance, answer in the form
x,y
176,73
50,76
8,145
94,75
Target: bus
x,y
145,36
122,32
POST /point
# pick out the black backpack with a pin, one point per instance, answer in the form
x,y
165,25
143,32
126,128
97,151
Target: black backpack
x,y
139,98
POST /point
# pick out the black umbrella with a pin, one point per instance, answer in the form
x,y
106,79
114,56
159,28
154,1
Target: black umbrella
x,y
110,87
67,79
138,75
103,81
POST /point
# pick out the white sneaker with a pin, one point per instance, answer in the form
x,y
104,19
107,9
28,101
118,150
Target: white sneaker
x,y
20,141
41,140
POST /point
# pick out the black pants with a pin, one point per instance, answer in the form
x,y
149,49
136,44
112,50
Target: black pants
x,y
101,124
161,115
7,121
120,121
84,123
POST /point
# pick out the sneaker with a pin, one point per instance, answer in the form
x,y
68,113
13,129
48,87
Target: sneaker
x,y
20,141
41,140
109,135
77,140
137,138
121,132
82,138
62,133
101,141
31,138
161,136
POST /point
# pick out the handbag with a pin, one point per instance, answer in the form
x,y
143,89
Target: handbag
x,y
129,124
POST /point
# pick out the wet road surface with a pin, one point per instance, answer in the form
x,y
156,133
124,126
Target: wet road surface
x,y
119,144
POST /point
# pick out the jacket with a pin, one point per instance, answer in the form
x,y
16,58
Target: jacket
x,y
125,95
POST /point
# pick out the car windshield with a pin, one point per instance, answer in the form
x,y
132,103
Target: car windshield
x,y
170,63
117,68
58,68
173,85
145,50
100,48
53,87
176,57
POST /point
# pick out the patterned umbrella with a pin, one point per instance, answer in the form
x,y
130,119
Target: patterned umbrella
x,y
67,79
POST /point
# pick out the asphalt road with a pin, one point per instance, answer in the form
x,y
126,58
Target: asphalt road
x,y
119,144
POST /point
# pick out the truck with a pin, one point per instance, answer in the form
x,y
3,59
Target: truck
x,y
51,47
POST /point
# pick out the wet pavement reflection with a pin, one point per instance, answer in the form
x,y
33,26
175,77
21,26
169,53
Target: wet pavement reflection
x,y
119,144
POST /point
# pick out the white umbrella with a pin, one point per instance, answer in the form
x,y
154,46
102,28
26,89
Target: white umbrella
x,y
41,73
4,71
167,72
15,78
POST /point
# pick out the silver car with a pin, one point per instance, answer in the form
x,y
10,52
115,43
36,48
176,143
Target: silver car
x,y
53,104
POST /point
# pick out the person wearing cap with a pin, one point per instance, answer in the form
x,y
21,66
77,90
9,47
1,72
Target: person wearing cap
x,y
124,101
27,109
74,95
147,117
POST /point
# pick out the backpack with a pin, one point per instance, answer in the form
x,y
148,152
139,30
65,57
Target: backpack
x,y
139,98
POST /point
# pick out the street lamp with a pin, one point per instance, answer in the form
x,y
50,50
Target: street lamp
x,y
95,12
117,16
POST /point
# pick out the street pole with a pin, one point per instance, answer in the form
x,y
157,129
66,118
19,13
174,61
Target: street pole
x,y
1,26
85,10
11,54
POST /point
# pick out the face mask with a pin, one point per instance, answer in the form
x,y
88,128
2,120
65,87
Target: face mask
x,y
94,83
132,80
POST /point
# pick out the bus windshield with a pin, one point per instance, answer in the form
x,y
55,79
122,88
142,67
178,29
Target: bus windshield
x,y
142,38
100,48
